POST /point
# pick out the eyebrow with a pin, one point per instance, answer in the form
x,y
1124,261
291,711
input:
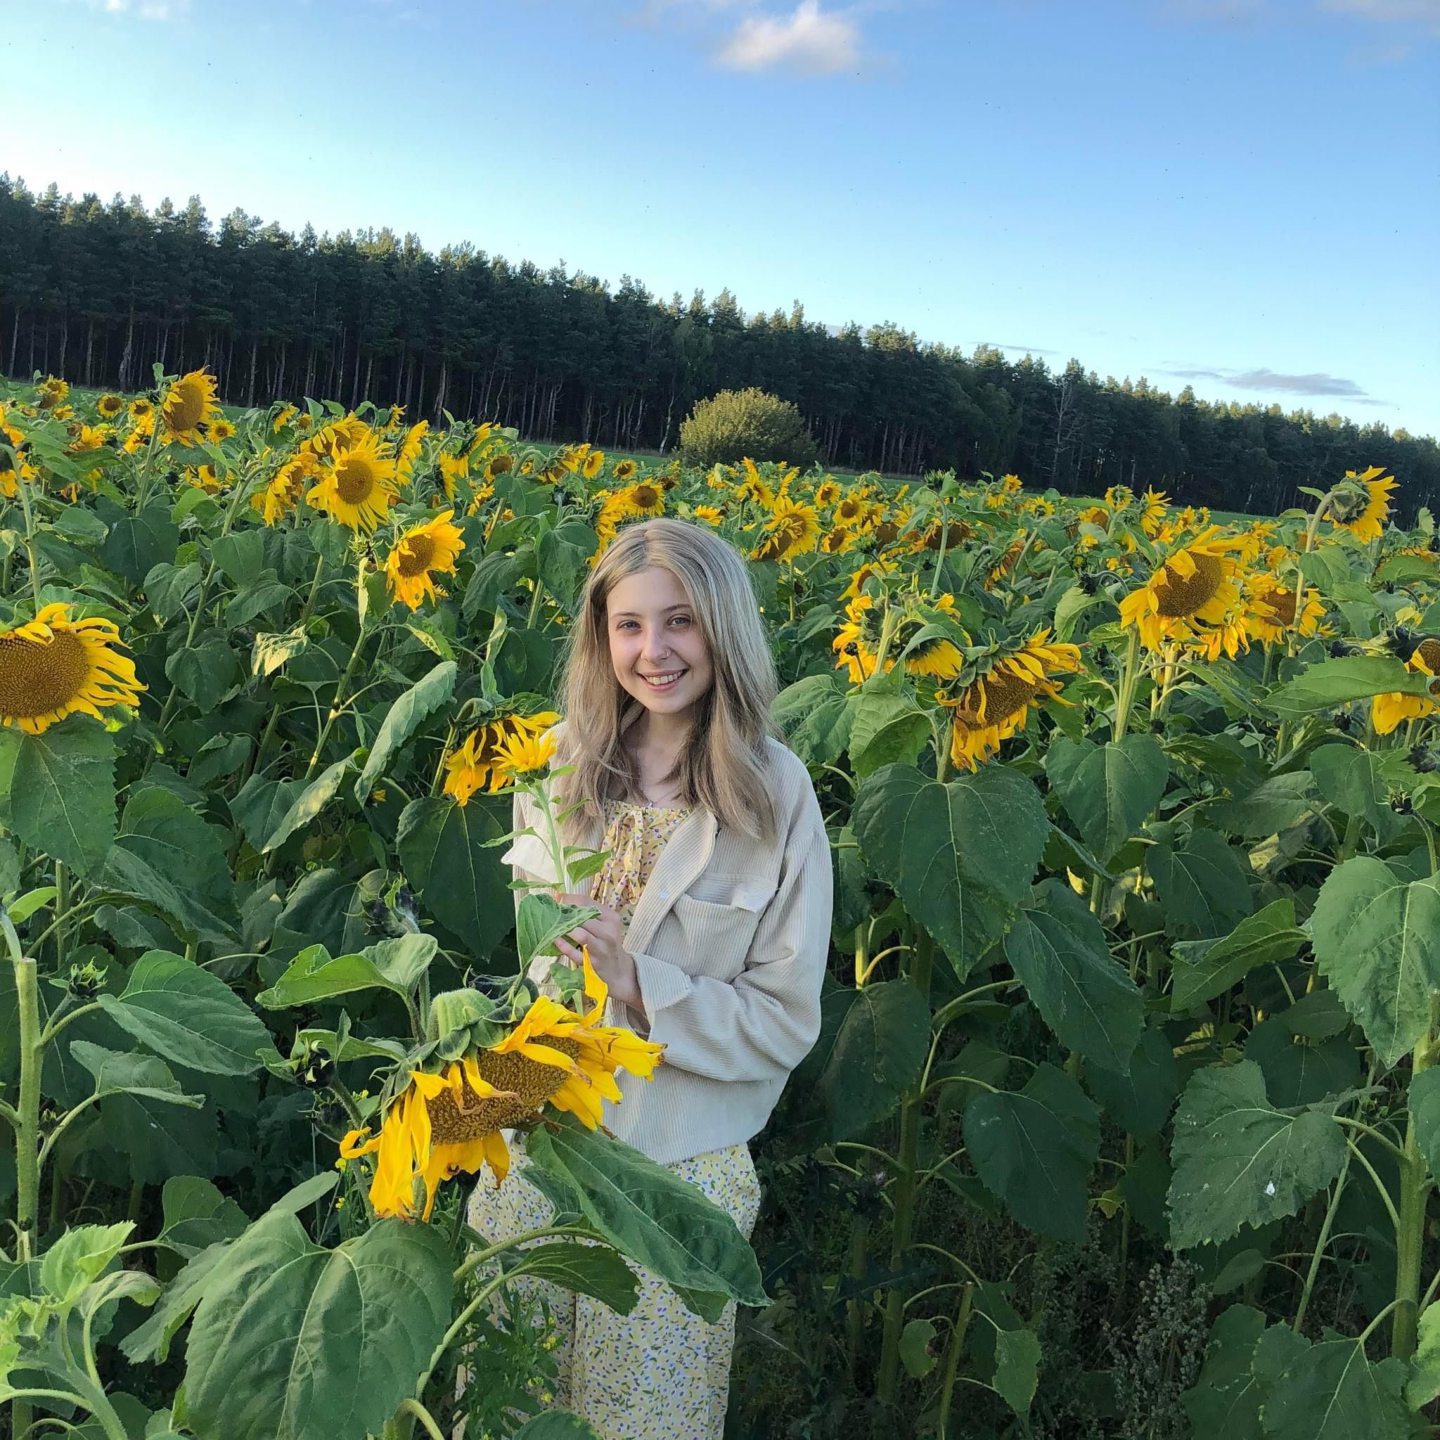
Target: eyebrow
x,y
632,615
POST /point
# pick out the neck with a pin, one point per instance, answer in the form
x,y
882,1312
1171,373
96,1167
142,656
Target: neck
x,y
666,734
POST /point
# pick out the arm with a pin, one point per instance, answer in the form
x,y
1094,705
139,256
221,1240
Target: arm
x,y
761,1025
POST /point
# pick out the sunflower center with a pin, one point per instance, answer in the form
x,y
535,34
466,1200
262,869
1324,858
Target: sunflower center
x,y
417,555
453,1122
38,679
644,496
354,478
185,407
1282,602
1429,651
1005,695
1183,595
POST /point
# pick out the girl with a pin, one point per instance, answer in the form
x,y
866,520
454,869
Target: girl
x,y
713,932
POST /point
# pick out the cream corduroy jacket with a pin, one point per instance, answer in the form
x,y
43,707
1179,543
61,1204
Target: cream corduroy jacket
x,y
730,937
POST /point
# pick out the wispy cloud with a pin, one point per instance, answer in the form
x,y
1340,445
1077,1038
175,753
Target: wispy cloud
x,y
143,9
1315,383
1413,12
809,40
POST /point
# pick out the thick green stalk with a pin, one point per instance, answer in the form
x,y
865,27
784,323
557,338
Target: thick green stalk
x,y
1415,1184
907,1190
952,1361
337,705
27,1137
1320,1244
1128,682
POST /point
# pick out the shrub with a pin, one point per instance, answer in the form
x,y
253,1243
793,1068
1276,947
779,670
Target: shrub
x,y
727,427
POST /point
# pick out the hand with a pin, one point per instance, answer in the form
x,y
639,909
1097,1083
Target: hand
x,y
605,936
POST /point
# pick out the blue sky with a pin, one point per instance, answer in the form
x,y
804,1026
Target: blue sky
x,y
1241,194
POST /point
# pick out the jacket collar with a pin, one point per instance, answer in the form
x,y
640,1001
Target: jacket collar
x,y
681,861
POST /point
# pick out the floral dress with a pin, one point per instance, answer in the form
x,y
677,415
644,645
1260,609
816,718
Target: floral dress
x,y
660,1372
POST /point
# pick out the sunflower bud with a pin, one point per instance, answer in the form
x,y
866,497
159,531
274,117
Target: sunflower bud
x,y
1344,721
1402,642
1423,760
1347,501
311,1065
1401,804
85,981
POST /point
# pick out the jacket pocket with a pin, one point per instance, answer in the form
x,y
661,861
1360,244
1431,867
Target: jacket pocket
x,y
716,938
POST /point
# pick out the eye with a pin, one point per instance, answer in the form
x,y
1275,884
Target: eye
x,y
679,619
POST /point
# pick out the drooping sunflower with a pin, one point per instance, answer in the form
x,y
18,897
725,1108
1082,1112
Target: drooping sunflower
x,y
109,406
498,465
279,497
1388,712
1197,586
639,501
51,391
997,703
753,486
1154,506
592,464
1361,503
55,666
857,644
448,1122
357,487
624,469
419,555
792,530
1272,610
407,455
851,509
481,759
189,404
453,469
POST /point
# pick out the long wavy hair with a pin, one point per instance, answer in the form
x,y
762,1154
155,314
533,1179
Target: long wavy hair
x,y
724,764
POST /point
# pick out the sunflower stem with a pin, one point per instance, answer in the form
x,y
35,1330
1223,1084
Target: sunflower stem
x,y
1128,683
34,563
427,1421
27,1137
337,705
953,1351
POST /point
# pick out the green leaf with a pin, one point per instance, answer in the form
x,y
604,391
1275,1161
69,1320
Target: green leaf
x,y
1333,1392
960,854
151,1341
403,719
1239,1160
158,827
131,875
1225,1399
62,791
169,588
594,1270
560,556
312,976
260,805
79,1256
1207,968
647,1213
1424,1383
297,1341
496,574
1298,1072
1336,682
137,543
1276,804
1017,1368
205,673
1423,1100
1204,887
447,856
240,556
1377,940
877,1056
189,1016
1352,780
1034,1148
315,797
816,714
885,729
1059,952
541,919
196,1215
556,1425
1109,790
1139,1100
254,600
271,651
915,1353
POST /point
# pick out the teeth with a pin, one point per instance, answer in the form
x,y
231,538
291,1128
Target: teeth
x,y
662,679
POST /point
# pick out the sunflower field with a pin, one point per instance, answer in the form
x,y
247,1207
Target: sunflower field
x,y
1125,1115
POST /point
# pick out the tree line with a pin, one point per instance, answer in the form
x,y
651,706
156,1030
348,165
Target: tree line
x,y
97,292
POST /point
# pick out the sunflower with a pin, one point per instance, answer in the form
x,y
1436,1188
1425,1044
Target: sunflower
x,y
1272,610
851,510
1361,502
419,555
624,469
142,407
109,406
710,514
286,414
1154,506
279,497
358,487
838,540
996,704
792,530
827,492
1388,712
408,454
643,499
51,391
752,485
453,469
189,404
142,432
524,754
855,644
1197,586
858,642
870,570
481,759
481,435
218,430
55,666
441,1124
593,463
498,465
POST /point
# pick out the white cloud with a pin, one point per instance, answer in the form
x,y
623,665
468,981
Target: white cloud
x,y
1423,12
810,41
143,9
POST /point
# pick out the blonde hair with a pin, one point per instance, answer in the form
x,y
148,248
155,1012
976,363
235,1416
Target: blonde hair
x,y
724,765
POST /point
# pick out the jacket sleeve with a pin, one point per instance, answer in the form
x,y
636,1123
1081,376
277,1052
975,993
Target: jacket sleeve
x,y
762,1024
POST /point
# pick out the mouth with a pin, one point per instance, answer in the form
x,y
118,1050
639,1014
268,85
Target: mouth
x,y
664,681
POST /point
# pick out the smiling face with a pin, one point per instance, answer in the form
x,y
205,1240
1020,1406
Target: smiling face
x,y
656,647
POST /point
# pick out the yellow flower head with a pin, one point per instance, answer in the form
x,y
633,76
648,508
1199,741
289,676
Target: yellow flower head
x,y
419,555
109,406
1361,503
624,469
481,759
280,496
793,529
189,403
408,453
446,1123
1388,712
357,487
55,666
1196,587
1272,610
997,704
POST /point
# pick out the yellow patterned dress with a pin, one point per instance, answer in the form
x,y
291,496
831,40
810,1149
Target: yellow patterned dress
x,y
659,1373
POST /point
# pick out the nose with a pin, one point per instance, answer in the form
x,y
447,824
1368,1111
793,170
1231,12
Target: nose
x,y
656,646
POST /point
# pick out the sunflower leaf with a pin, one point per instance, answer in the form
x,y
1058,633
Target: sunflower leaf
x,y
312,800
648,1214
1334,682
448,857
62,791
1108,790
403,719
330,1340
